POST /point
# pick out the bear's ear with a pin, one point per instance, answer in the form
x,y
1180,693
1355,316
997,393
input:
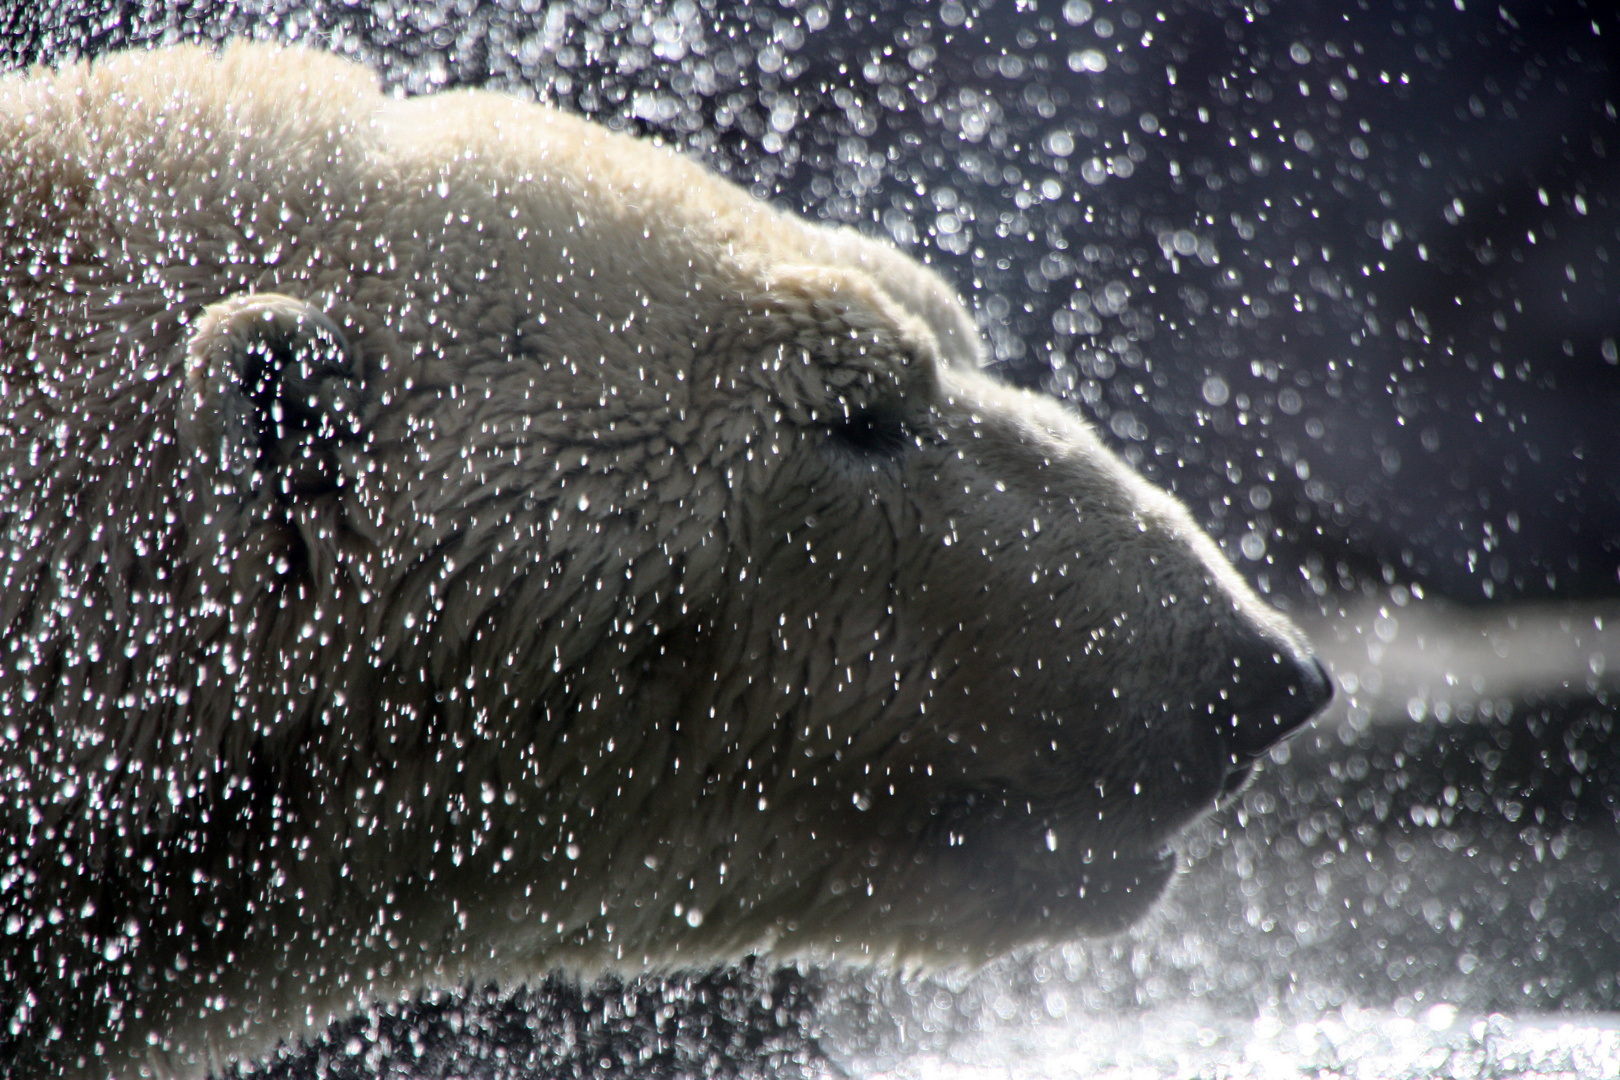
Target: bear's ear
x,y
271,389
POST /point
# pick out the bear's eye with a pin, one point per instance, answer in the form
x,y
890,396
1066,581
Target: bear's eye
x,y
879,430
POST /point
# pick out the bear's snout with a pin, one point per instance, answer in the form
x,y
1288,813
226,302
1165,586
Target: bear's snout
x,y
1274,690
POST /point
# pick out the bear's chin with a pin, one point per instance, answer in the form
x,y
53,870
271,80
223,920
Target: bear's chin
x,y
1047,897
985,897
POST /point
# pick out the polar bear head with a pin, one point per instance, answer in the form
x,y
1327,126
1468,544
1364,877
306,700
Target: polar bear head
x,y
485,543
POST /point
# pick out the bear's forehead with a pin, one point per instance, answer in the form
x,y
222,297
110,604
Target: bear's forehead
x,y
638,224
507,207
526,160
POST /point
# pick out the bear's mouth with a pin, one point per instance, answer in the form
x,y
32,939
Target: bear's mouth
x,y
1038,881
992,898
1237,778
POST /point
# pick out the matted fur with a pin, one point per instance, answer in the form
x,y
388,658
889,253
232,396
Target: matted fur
x,y
681,588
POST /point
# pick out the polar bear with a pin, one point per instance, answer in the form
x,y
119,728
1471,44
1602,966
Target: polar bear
x,y
446,540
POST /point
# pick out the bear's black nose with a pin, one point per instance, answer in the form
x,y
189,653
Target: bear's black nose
x,y
1272,693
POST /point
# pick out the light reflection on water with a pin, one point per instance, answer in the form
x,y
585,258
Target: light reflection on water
x,y
1350,1043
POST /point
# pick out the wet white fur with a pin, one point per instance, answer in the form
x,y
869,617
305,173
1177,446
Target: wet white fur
x,y
599,627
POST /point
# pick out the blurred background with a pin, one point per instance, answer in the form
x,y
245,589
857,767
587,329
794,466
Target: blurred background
x,y
1343,277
